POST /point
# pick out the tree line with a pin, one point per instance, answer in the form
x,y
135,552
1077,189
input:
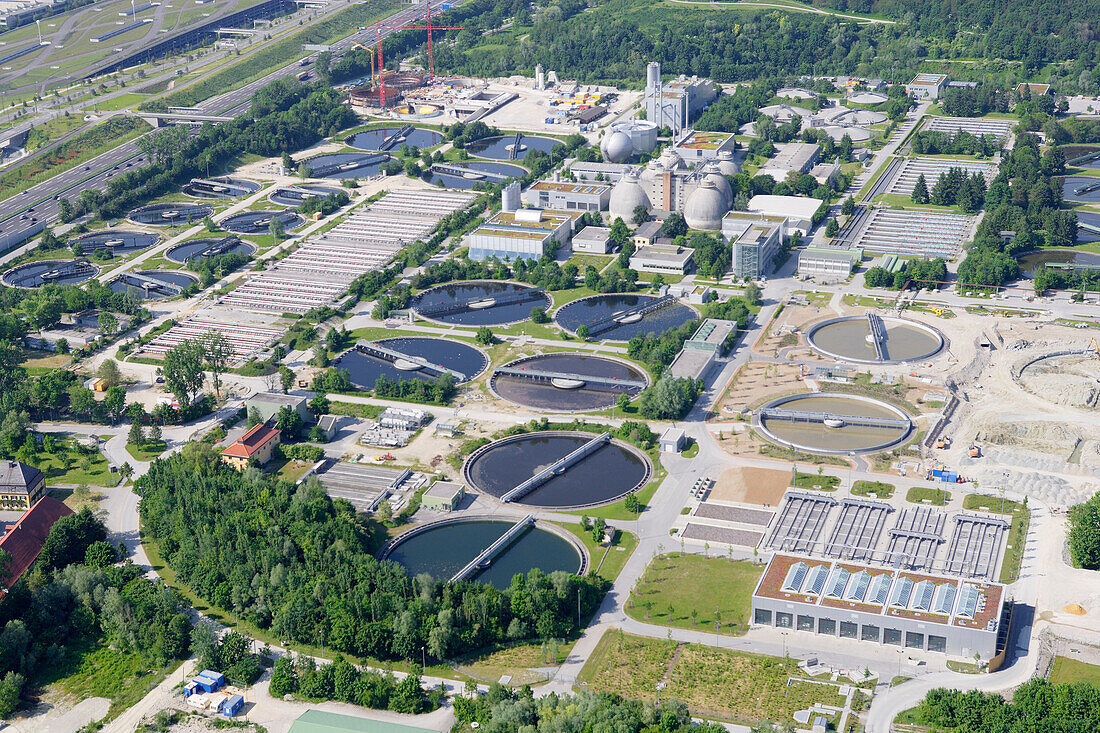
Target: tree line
x,y
1035,706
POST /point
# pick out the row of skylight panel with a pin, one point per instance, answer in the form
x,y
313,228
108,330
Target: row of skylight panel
x,y
862,587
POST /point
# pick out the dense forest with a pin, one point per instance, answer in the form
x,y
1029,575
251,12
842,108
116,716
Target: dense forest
x,y
1035,706
289,559
1084,534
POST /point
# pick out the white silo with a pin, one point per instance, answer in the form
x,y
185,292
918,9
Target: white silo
x,y
540,78
652,75
509,197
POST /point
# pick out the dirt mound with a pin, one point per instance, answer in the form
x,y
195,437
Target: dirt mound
x,y
1045,437
1065,380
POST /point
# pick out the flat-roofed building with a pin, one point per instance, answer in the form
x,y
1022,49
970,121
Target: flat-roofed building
x,y
799,211
592,240
268,404
675,103
443,496
880,605
695,145
666,259
927,86
21,485
801,157
568,196
700,351
754,240
610,172
829,262
523,234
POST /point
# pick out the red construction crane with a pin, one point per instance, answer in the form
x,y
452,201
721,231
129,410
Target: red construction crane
x,y
427,27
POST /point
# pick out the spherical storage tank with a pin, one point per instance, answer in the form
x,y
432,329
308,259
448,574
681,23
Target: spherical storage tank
x,y
727,166
625,197
715,176
705,207
616,147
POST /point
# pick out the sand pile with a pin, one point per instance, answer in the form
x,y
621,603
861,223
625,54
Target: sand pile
x,y
1065,380
1049,438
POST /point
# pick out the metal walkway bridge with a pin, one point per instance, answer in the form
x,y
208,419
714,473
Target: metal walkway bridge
x,y
325,170
556,468
642,309
608,383
485,557
807,416
149,284
1084,158
66,269
514,152
381,352
396,137
461,306
1088,187
222,246
459,172
878,336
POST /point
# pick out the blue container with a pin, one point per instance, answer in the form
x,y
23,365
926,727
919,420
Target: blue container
x,y
232,705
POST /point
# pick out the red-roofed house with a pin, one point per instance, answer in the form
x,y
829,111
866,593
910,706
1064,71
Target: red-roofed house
x,y
24,541
257,444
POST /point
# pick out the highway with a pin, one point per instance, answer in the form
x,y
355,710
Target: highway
x,y
25,211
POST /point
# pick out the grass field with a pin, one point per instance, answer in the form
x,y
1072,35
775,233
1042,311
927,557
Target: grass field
x,y
148,450
816,481
714,683
1019,515
82,469
880,489
695,583
936,497
519,662
611,560
1071,670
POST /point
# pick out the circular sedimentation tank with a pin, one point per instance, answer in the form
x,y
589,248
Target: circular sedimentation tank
x,y
613,317
259,222
220,188
374,139
1088,226
612,471
207,247
568,382
171,279
1072,189
295,195
1078,151
503,147
115,240
475,171
346,165
479,303
833,423
1071,379
62,272
868,98
443,548
364,367
849,339
1032,261
170,213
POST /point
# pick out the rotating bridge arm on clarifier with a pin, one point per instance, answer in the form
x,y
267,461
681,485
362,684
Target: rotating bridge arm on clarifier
x,y
1084,158
390,355
75,267
325,170
464,305
222,246
489,552
557,467
878,336
641,309
149,283
391,140
1088,187
773,413
540,376
459,172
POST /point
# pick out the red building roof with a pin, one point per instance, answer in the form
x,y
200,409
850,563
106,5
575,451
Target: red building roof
x,y
251,442
25,540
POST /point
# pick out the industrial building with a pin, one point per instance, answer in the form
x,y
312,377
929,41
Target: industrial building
x,y
668,183
21,486
568,196
245,340
880,605
666,259
443,496
801,157
524,234
699,352
610,172
647,233
257,444
755,241
677,102
592,240
927,86
829,262
797,210
695,146
268,404
628,138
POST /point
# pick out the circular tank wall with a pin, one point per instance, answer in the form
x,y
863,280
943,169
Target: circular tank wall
x,y
503,147
849,339
170,213
596,310
195,247
62,272
373,139
840,432
569,382
365,369
487,303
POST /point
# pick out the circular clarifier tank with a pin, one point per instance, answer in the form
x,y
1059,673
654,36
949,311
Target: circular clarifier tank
x,y
115,241
505,147
393,138
568,382
402,359
1032,261
610,470
480,303
220,188
153,284
61,272
849,339
833,423
346,165
295,195
170,213
1081,189
475,171
622,316
443,548
208,247
259,222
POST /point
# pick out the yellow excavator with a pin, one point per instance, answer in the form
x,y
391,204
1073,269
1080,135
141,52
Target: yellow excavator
x,y
1095,347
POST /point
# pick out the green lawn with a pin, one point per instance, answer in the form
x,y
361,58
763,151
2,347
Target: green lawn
x,y
919,495
1071,670
82,469
613,559
816,481
698,583
1019,516
880,489
692,450
147,451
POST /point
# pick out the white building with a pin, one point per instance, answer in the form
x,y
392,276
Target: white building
x,y
799,157
927,86
755,240
676,103
673,440
610,172
799,211
830,263
592,240
568,196
665,259
523,234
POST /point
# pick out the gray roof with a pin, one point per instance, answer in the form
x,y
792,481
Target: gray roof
x,y
649,229
16,476
444,489
275,398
